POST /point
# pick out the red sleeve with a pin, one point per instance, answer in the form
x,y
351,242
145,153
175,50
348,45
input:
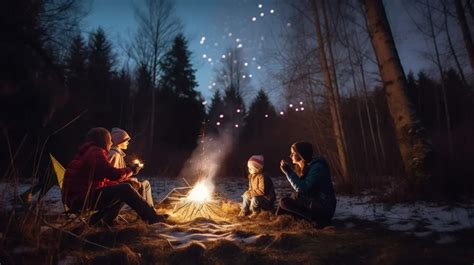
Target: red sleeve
x,y
103,169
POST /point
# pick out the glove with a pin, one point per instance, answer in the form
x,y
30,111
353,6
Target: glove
x,y
284,166
135,169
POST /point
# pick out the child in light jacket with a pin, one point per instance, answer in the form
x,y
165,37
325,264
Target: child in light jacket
x,y
260,194
120,141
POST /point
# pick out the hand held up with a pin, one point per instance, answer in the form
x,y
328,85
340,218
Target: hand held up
x,y
284,166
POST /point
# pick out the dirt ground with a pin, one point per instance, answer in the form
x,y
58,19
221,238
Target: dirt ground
x,y
266,239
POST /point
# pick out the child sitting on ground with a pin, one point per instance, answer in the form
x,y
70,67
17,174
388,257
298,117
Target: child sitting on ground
x,y
120,141
260,194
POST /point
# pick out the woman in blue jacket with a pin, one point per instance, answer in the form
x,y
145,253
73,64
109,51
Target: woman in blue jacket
x,y
314,197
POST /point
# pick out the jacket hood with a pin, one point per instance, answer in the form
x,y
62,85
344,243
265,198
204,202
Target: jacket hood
x,y
86,146
321,160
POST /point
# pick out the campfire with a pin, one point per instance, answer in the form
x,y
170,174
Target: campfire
x,y
198,201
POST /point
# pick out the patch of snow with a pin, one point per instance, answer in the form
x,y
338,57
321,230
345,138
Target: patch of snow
x,y
407,217
203,232
402,226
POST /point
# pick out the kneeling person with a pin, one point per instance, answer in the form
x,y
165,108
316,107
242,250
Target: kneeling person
x,y
260,194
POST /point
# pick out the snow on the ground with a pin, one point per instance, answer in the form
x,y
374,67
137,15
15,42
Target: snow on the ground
x,y
201,232
420,218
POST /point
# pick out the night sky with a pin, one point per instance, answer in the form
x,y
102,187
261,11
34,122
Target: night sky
x,y
213,26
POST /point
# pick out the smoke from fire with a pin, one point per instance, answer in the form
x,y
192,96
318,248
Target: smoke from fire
x,y
204,163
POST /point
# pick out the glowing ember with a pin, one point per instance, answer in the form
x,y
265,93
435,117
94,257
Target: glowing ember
x,y
201,192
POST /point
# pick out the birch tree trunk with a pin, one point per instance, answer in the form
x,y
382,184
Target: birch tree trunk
x,y
450,43
332,62
331,98
412,144
466,32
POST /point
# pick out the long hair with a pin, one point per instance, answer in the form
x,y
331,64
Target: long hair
x,y
304,151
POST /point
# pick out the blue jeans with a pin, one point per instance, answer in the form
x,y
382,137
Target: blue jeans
x,y
255,204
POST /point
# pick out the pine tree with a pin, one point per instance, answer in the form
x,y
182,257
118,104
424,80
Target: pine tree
x,y
260,118
100,63
234,108
142,99
179,97
76,66
260,132
458,95
427,102
121,103
178,74
233,79
215,109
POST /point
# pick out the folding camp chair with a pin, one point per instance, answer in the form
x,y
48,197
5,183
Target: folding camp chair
x,y
84,215
59,171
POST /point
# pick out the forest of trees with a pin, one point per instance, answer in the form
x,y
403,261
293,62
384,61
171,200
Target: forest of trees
x,y
374,123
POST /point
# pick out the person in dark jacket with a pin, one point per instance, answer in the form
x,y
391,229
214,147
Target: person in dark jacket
x,y
92,183
260,194
314,197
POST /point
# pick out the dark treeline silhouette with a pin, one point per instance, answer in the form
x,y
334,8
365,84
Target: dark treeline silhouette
x,y
362,111
54,89
49,101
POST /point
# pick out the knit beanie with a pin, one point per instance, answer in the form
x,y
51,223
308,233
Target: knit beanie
x,y
100,136
256,161
304,149
119,136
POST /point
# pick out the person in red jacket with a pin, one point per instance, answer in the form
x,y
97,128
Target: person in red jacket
x,y
91,182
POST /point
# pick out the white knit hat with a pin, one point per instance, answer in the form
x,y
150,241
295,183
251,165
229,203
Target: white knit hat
x,y
119,136
256,161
